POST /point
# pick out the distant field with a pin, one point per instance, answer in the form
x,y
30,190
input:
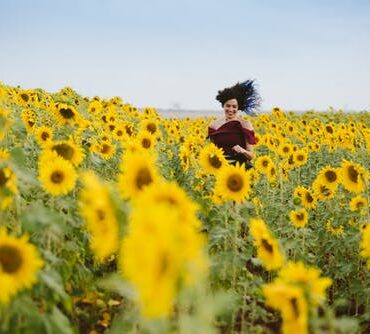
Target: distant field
x,y
115,219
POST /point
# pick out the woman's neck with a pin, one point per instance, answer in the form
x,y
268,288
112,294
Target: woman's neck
x,y
231,119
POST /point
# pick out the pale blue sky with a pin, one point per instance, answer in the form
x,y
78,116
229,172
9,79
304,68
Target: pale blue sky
x,y
303,54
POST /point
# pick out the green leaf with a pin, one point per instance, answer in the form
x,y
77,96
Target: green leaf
x,y
57,323
53,280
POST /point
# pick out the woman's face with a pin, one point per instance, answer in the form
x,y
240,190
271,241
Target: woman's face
x,y
231,109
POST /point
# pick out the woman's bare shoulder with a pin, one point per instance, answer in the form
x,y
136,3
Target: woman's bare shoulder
x,y
215,123
246,124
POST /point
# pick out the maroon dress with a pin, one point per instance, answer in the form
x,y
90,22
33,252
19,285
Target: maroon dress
x,y
230,134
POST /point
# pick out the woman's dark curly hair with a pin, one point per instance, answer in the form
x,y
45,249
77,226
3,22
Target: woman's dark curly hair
x,y
245,93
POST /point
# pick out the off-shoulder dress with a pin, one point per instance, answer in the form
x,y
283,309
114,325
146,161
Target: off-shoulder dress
x,y
230,134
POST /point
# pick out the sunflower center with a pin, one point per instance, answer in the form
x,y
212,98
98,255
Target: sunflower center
x,y
214,161
100,214
143,178
105,149
300,216
329,129
119,133
57,176
308,197
128,130
293,302
331,176
163,265
325,191
266,245
168,199
45,135
353,174
10,259
265,163
151,127
146,142
360,204
3,178
300,157
235,182
64,150
25,97
67,113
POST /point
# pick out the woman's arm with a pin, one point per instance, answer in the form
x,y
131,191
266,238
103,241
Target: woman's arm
x,y
249,151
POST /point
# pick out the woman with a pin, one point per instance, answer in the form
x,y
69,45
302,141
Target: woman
x,y
232,133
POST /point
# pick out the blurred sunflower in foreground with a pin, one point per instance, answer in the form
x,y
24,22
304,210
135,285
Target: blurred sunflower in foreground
x,y
19,264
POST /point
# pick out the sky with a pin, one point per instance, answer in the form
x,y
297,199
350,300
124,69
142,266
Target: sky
x,y
302,55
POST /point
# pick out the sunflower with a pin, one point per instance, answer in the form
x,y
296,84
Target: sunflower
x,y
43,134
300,157
129,129
271,173
268,250
290,162
8,187
299,192
263,163
185,156
290,301
2,92
57,175
29,119
65,113
353,176
329,129
4,154
285,149
98,212
155,262
138,171
307,278
309,201
299,218
119,133
111,126
95,107
365,243
232,183
67,150
358,203
151,126
105,149
329,177
146,140
19,264
322,191
212,159
171,194
313,146
335,230
25,97
131,146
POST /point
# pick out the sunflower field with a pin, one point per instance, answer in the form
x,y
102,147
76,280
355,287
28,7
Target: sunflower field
x,y
116,220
